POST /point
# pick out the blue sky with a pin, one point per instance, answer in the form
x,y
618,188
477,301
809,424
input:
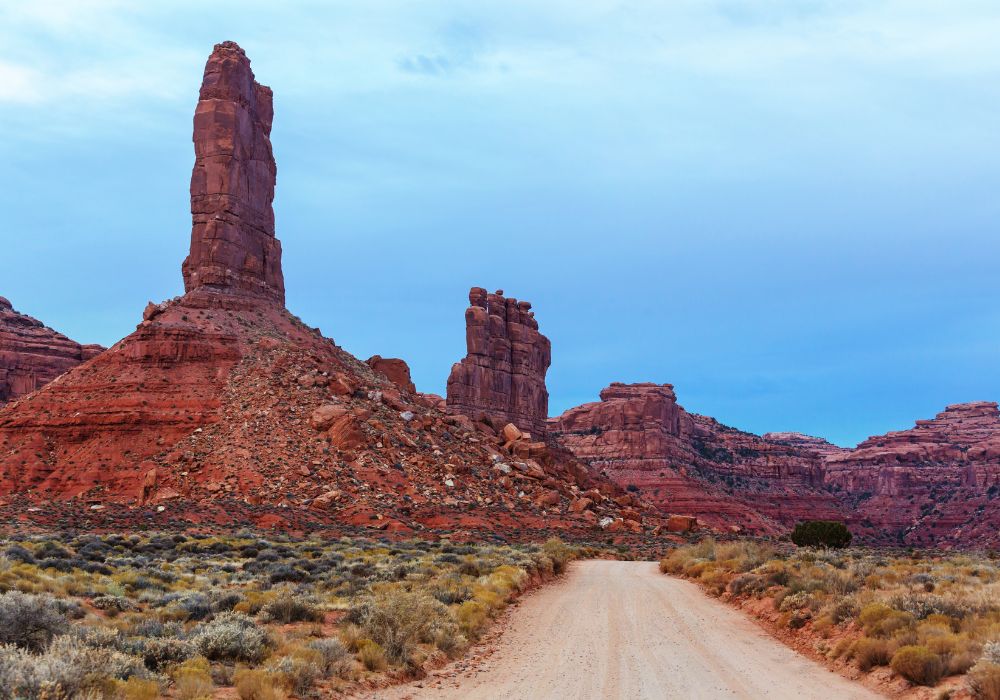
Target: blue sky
x,y
787,209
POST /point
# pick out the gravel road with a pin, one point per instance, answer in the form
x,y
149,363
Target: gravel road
x,y
615,630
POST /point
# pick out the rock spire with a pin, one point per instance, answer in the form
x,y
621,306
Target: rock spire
x,y
233,247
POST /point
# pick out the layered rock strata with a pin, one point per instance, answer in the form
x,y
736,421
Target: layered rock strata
x,y
502,377
32,354
640,437
937,482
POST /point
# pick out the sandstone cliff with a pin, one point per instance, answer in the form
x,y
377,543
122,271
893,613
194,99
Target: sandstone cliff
x,y
32,355
690,464
936,483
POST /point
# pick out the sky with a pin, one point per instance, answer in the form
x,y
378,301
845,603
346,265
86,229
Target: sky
x,y
788,209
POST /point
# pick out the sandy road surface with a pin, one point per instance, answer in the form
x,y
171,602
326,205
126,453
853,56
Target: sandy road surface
x,y
614,630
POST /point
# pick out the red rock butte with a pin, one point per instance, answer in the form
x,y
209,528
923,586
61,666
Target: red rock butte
x,y
233,246
32,354
502,377
224,408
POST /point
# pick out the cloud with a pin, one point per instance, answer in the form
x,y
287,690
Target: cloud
x,y
427,65
462,47
18,84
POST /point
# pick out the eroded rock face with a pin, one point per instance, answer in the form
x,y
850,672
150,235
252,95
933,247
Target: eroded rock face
x,y
233,247
935,484
693,465
32,355
502,378
938,481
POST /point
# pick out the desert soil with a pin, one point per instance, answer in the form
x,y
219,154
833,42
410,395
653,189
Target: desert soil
x,y
615,630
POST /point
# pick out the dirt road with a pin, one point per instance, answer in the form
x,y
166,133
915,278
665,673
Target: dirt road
x,y
621,630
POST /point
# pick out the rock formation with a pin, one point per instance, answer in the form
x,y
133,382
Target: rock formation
x,y
693,465
502,378
32,355
224,408
233,247
937,482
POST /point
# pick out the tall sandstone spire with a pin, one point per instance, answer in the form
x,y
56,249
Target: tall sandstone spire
x,y
503,375
233,247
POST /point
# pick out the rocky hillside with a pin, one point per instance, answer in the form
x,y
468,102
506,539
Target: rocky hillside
x,y
222,407
32,354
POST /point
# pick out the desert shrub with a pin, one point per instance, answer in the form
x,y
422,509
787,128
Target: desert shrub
x,y
372,655
921,606
879,620
298,671
336,659
19,554
351,635
257,684
746,583
193,680
796,601
918,664
138,689
30,621
160,652
451,589
472,617
231,636
190,606
559,552
843,609
869,653
113,604
821,533
984,681
287,608
67,669
397,620
284,573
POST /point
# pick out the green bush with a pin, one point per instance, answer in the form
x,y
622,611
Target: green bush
x,y
821,533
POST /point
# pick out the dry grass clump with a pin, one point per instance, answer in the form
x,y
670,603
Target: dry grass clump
x,y
925,615
918,664
193,680
135,616
984,677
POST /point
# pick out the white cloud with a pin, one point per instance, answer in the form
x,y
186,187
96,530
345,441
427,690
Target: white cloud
x,y
18,84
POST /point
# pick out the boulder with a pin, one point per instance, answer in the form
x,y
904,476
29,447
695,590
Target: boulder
x,y
396,370
324,416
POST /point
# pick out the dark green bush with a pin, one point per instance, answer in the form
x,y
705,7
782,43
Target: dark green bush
x,y
821,533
